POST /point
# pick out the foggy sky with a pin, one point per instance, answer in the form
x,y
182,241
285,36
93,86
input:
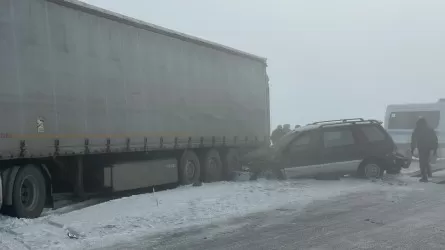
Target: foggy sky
x,y
327,58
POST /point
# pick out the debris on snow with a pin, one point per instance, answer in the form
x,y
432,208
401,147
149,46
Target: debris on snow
x,y
375,222
197,184
72,236
241,176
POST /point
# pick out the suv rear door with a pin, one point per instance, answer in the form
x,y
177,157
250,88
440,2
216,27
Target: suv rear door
x,y
340,151
374,141
302,155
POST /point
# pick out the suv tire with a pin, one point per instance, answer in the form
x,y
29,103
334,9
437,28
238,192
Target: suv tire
x,y
370,169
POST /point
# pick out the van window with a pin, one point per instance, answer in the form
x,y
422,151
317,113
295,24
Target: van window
x,y
408,119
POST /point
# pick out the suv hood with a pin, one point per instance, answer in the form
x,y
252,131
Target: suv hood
x,y
261,154
270,153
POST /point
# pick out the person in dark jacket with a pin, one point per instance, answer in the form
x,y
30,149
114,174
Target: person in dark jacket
x,y
286,128
277,134
425,140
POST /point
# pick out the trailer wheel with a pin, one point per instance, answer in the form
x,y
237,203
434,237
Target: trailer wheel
x,y
212,166
29,193
231,163
189,168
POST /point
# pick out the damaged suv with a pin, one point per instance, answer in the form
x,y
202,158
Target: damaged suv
x,y
338,147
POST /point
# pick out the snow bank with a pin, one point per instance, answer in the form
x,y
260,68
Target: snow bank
x,y
130,217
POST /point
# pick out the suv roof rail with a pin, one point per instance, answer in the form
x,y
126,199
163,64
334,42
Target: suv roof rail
x,y
339,121
345,121
375,121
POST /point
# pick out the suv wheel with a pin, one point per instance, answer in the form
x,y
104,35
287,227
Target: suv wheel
x,y
370,170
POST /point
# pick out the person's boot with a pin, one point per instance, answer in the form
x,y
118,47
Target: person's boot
x,y
423,179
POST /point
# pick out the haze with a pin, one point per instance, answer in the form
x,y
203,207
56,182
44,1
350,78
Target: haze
x,y
327,59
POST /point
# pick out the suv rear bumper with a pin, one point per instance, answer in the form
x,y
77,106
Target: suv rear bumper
x,y
397,161
405,149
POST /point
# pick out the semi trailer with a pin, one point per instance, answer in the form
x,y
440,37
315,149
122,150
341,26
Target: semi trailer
x,y
94,102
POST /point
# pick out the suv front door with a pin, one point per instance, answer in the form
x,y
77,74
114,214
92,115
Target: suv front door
x,y
302,155
340,153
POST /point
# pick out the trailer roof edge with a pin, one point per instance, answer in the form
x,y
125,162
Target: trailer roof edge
x,y
88,8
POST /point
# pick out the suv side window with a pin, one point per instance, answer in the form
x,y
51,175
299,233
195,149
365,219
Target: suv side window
x,y
338,138
373,133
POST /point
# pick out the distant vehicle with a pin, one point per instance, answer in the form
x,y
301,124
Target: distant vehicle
x,y
338,147
400,121
95,102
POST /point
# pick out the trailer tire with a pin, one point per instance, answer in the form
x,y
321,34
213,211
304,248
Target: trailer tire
x,y
231,163
189,168
212,166
29,193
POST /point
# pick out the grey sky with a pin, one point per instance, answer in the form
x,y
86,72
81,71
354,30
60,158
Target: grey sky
x,y
327,59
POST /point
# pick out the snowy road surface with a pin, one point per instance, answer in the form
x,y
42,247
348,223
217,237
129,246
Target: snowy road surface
x,y
128,219
378,219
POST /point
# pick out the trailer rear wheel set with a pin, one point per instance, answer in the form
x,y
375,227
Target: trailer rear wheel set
x,y
26,188
208,165
25,192
29,192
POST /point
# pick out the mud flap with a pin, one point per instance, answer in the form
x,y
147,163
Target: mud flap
x,y
1,191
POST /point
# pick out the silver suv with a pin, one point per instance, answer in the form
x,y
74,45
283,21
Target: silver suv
x,y
337,147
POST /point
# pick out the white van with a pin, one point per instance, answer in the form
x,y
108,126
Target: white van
x,y
400,121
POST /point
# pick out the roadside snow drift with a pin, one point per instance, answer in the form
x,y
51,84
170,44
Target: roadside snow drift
x,y
123,219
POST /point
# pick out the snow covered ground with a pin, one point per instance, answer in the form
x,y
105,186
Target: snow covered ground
x,y
123,219
414,167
